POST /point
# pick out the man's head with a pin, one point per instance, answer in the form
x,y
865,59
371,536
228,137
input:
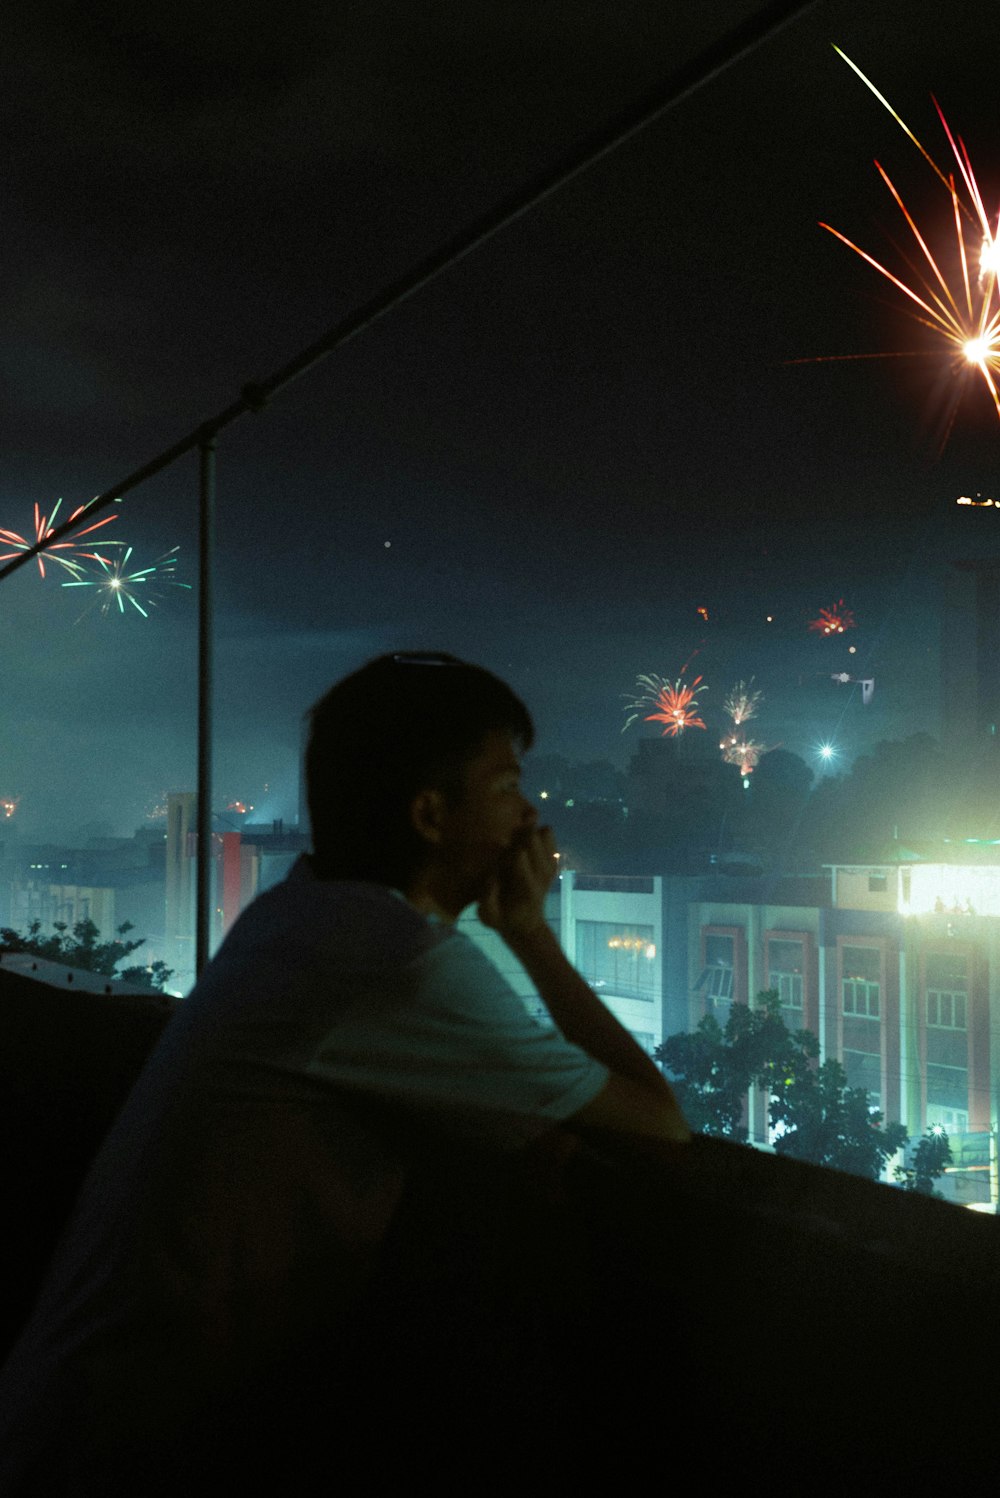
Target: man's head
x,y
390,754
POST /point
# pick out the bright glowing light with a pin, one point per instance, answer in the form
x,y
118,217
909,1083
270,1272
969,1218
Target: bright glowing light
x,y
673,704
954,890
977,350
826,752
989,257
8,806
945,299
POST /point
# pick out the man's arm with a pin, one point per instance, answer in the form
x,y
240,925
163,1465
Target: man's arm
x,y
636,1098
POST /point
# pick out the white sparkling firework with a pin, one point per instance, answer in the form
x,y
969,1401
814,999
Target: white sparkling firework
x,y
119,586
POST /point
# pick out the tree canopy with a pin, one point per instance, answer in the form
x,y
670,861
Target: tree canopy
x,y
813,1113
82,948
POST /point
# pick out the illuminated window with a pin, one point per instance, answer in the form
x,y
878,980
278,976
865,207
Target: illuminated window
x,y
861,992
946,1010
952,1120
946,994
716,978
617,959
948,1097
864,1069
946,1005
785,965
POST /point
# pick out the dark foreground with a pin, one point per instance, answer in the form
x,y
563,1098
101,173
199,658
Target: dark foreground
x,y
673,1319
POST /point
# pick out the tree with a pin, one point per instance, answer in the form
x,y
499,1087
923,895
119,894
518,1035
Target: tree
x,y
926,1163
712,1069
815,1116
83,949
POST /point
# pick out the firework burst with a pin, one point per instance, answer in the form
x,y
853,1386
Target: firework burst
x,y
8,806
832,621
954,292
44,526
742,702
118,586
673,704
743,752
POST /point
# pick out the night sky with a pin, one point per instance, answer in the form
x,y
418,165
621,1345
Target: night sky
x,y
548,460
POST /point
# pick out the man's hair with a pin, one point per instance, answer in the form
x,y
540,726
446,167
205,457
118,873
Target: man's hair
x,y
401,724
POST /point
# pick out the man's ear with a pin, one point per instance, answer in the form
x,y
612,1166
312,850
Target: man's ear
x,y
427,814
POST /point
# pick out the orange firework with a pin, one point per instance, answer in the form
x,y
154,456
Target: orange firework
x,y
966,311
43,529
673,704
833,621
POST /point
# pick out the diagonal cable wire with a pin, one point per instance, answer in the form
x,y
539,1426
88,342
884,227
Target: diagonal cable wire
x,y
693,75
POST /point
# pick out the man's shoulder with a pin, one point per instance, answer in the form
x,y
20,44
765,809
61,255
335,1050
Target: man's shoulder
x,y
361,922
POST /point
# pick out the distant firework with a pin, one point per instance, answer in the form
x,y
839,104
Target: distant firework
x,y
703,612
963,308
118,585
673,704
966,499
743,752
8,806
44,527
742,702
832,621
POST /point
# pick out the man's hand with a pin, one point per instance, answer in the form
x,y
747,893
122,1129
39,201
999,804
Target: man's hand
x,y
515,904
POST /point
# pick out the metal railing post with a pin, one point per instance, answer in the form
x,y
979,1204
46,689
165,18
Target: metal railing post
x,y
206,543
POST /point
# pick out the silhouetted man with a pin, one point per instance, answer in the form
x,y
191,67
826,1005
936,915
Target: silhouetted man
x,y
345,1035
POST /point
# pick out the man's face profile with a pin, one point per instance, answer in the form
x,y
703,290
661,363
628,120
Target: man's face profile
x,y
469,833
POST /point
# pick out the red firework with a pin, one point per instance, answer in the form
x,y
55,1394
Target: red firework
x,y
43,529
673,704
833,621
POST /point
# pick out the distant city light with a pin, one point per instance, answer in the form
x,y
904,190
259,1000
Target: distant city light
x,y
952,890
